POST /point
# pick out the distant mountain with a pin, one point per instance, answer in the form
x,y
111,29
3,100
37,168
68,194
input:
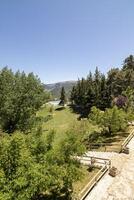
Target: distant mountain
x,y
55,88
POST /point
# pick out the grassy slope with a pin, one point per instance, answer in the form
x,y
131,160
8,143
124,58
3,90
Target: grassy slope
x,y
62,121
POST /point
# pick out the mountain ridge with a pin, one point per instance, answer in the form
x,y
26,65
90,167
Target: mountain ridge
x,y
55,88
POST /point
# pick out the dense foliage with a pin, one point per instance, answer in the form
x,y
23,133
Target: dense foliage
x,y
111,120
21,96
92,91
30,165
100,91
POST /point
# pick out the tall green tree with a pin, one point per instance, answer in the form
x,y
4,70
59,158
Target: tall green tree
x,y
97,86
92,91
129,94
21,96
63,99
129,63
128,69
119,79
73,95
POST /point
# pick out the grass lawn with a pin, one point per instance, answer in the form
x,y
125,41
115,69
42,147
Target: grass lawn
x,y
85,179
62,120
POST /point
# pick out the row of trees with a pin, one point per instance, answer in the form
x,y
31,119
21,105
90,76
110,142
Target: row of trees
x,y
91,91
100,91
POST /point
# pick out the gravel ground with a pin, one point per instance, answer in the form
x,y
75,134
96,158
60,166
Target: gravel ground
x,y
122,186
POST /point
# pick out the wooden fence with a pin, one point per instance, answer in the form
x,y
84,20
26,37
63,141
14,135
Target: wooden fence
x,y
108,147
92,183
104,147
127,140
105,165
95,160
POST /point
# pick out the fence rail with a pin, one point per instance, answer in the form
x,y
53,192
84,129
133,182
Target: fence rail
x,y
103,147
92,183
127,140
103,161
105,165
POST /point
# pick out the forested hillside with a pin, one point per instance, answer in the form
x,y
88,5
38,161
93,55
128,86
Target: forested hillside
x,y
55,88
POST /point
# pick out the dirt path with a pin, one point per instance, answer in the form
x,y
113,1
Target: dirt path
x,y
122,186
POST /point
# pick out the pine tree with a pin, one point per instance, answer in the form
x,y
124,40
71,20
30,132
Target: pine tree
x,y
91,92
62,97
97,87
129,63
73,95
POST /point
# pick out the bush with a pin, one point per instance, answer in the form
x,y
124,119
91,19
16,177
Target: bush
x,y
112,119
31,166
47,118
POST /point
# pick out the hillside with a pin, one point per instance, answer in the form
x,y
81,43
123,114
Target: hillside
x,y
55,88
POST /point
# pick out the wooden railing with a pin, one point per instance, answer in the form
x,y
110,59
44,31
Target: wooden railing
x,y
92,183
103,147
96,160
108,147
105,165
127,140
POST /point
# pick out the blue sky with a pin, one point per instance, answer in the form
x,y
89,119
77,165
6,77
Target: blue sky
x,y
65,39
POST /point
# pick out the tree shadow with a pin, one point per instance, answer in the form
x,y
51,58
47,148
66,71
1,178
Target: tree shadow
x,y
51,197
80,110
98,140
60,108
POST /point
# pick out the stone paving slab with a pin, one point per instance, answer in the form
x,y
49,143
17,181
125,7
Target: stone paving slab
x,y
122,186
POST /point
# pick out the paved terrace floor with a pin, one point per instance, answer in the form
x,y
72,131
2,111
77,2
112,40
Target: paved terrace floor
x,y
122,186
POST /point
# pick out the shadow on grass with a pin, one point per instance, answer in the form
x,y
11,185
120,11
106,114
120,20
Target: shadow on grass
x,y
51,197
60,108
80,110
96,141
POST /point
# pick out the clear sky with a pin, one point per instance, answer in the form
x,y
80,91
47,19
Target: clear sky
x,y
65,39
